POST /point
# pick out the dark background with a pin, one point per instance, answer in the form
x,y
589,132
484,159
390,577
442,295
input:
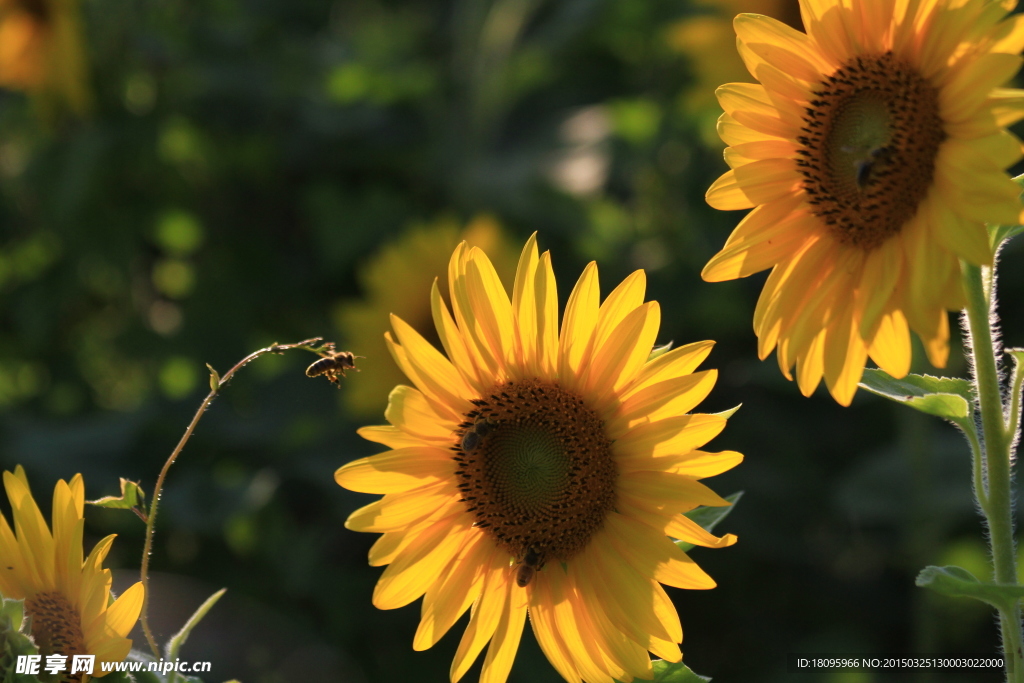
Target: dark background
x,y
245,163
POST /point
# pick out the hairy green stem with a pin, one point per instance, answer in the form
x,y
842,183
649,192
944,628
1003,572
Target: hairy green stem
x,y
216,383
978,286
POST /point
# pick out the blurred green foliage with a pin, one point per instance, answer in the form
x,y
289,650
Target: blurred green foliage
x,y
245,156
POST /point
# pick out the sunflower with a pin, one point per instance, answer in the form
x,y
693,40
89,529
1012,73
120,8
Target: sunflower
x,y
541,471
408,264
41,50
67,598
873,153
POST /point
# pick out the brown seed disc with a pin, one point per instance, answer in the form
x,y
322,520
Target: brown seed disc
x,y
870,140
536,469
56,627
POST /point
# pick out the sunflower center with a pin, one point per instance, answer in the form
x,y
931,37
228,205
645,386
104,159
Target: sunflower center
x,y
870,140
56,625
536,469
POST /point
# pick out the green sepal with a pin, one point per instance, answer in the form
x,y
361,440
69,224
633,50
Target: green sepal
x,y
132,498
13,642
948,397
667,672
214,378
659,351
957,582
709,517
1001,233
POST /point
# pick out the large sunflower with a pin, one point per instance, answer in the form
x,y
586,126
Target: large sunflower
x,y
537,470
873,154
65,596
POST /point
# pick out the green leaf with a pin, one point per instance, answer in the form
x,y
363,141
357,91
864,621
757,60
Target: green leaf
x,y
132,496
948,397
179,638
957,582
666,672
709,517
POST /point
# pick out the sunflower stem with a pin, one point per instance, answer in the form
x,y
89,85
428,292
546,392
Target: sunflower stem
x,y
216,383
995,450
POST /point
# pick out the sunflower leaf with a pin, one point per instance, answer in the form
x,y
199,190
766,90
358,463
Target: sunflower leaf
x,y
957,582
667,672
709,517
948,397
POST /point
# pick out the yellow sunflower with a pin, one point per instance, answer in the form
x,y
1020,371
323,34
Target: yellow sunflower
x,y
873,153
409,264
541,471
41,50
65,596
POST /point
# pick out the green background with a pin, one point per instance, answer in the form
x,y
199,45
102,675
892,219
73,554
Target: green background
x,y
245,157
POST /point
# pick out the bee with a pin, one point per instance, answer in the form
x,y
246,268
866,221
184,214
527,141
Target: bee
x,y
333,366
479,429
865,163
531,565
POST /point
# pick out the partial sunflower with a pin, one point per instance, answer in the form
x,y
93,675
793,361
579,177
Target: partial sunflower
x,y
42,51
707,39
409,264
65,596
873,154
541,470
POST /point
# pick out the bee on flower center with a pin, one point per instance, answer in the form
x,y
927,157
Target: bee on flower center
x,y
333,366
475,432
531,564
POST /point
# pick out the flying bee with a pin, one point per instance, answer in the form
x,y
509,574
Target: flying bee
x,y
531,565
333,366
478,430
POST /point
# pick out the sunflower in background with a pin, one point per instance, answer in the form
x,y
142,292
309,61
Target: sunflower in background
x,y
540,469
66,596
873,153
709,43
409,264
42,52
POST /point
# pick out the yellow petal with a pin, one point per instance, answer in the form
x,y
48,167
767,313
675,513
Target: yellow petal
x,y
397,470
685,529
122,615
408,576
451,596
409,411
505,641
672,397
579,321
487,611
525,308
671,364
667,488
671,436
890,347
652,554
